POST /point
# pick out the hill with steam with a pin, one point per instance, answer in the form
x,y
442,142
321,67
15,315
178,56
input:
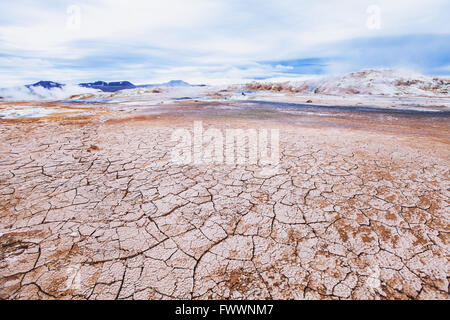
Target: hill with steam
x,y
367,82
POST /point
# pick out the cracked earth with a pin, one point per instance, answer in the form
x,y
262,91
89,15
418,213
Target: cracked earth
x,y
95,209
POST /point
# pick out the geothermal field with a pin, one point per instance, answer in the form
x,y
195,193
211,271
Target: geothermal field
x,y
351,202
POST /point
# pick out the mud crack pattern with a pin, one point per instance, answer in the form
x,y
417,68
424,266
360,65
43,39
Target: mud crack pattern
x,y
100,212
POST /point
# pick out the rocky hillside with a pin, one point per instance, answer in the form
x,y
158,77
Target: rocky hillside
x,y
367,82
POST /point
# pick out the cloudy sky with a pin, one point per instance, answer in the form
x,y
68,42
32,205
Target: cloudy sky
x,y
205,41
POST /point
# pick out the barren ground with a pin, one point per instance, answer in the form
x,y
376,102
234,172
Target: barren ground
x,y
93,208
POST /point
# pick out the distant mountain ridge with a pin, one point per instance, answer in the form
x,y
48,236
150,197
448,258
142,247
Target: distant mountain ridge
x,y
175,83
46,85
108,86
171,83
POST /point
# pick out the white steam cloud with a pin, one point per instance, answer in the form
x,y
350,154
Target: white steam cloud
x,y
40,93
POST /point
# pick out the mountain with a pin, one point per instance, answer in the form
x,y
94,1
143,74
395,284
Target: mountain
x,y
384,82
46,85
176,83
54,90
388,82
109,86
171,83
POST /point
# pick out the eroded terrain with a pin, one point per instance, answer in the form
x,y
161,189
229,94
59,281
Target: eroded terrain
x,y
94,208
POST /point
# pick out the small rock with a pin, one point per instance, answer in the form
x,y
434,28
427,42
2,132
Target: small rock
x,y
93,148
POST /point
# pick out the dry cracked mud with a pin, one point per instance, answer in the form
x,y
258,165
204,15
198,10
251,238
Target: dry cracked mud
x,y
95,209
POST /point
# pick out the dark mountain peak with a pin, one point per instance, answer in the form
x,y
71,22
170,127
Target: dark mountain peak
x,y
122,83
100,83
109,86
91,84
46,85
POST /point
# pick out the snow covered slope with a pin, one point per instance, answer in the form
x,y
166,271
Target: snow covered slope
x,y
367,82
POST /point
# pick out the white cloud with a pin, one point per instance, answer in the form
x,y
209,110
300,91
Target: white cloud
x,y
197,33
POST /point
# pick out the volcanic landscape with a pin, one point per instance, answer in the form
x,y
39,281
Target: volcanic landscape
x,y
92,207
